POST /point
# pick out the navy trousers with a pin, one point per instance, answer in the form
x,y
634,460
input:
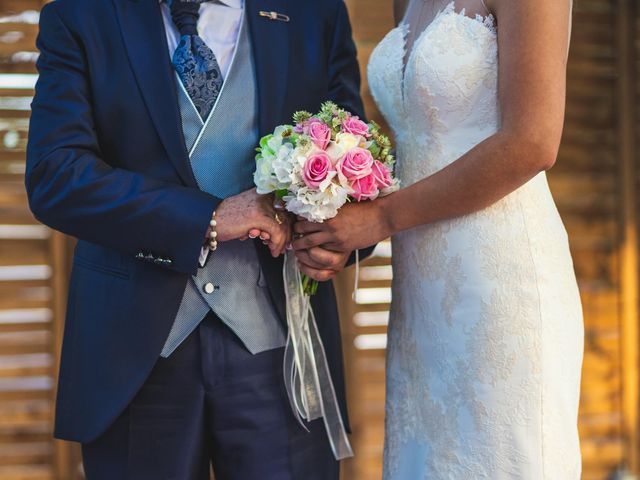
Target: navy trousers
x,y
212,403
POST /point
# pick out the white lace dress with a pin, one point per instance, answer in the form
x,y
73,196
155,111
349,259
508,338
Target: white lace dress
x,y
486,335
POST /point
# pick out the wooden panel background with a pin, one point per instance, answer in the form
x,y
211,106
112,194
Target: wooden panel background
x,y
594,183
32,275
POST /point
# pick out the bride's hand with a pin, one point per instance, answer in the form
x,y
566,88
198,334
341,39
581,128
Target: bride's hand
x,y
357,225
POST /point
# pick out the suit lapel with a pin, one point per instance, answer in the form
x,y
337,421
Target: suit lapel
x,y
144,36
270,40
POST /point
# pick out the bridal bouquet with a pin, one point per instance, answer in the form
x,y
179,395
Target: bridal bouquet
x,y
322,162
315,167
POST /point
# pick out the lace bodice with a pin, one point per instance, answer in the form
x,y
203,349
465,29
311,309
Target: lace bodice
x,y
445,99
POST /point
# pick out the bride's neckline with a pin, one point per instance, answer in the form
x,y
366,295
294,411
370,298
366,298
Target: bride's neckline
x,y
488,22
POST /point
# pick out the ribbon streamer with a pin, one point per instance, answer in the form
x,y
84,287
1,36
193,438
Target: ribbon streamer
x,y
306,371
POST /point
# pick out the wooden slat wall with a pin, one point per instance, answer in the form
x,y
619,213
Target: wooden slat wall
x,y
626,112
32,274
586,187
364,324
594,187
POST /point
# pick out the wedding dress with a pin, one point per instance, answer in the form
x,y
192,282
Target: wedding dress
x,y
486,334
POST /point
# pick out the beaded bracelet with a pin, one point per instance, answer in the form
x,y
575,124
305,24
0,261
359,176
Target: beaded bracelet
x,y
213,234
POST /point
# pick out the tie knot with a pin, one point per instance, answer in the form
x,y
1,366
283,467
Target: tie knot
x,y
185,15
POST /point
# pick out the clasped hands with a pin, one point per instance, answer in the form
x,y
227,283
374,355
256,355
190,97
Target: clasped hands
x,y
250,215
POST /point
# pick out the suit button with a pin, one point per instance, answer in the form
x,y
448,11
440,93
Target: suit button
x,y
209,288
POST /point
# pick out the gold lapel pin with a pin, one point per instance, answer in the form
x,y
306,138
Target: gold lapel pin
x,y
281,17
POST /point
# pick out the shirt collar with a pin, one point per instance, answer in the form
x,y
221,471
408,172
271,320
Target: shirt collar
x,y
228,3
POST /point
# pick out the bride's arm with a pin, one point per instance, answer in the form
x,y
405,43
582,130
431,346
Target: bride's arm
x,y
533,38
532,45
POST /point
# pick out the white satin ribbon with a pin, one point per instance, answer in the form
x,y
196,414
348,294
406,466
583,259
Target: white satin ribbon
x,y
306,372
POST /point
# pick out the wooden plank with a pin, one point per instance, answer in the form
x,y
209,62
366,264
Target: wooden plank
x,y
629,247
25,365
30,472
65,453
26,454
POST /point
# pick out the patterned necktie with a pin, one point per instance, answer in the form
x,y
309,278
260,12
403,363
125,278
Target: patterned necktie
x,y
193,60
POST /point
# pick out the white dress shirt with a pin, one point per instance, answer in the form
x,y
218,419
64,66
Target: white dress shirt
x,y
219,26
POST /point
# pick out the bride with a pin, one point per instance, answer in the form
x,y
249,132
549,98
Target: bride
x,y
486,334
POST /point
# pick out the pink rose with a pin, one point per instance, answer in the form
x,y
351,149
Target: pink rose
x,y
382,175
356,164
365,188
317,169
355,126
320,134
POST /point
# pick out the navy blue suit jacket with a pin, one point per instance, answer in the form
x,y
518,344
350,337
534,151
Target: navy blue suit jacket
x,y
107,164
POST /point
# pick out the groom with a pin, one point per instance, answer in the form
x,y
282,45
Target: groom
x,y
144,123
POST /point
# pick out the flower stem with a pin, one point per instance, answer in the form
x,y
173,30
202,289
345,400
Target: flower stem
x,y
309,286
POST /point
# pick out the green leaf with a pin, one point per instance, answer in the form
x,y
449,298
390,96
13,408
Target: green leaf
x,y
264,140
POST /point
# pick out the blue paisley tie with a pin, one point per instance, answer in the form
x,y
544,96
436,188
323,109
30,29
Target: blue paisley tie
x,y
193,60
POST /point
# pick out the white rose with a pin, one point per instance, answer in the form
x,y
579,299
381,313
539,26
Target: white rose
x,y
342,144
348,141
335,152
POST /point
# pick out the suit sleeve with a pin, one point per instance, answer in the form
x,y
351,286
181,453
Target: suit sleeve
x,y
344,78
344,70
72,189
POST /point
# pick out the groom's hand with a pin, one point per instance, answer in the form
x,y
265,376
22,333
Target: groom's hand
x,y
321,264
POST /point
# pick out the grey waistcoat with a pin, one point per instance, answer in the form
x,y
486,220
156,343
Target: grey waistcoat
x,y
222,151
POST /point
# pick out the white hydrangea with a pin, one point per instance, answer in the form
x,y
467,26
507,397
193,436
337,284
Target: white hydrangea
x,y
274,163
317,206
264,177
283,164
